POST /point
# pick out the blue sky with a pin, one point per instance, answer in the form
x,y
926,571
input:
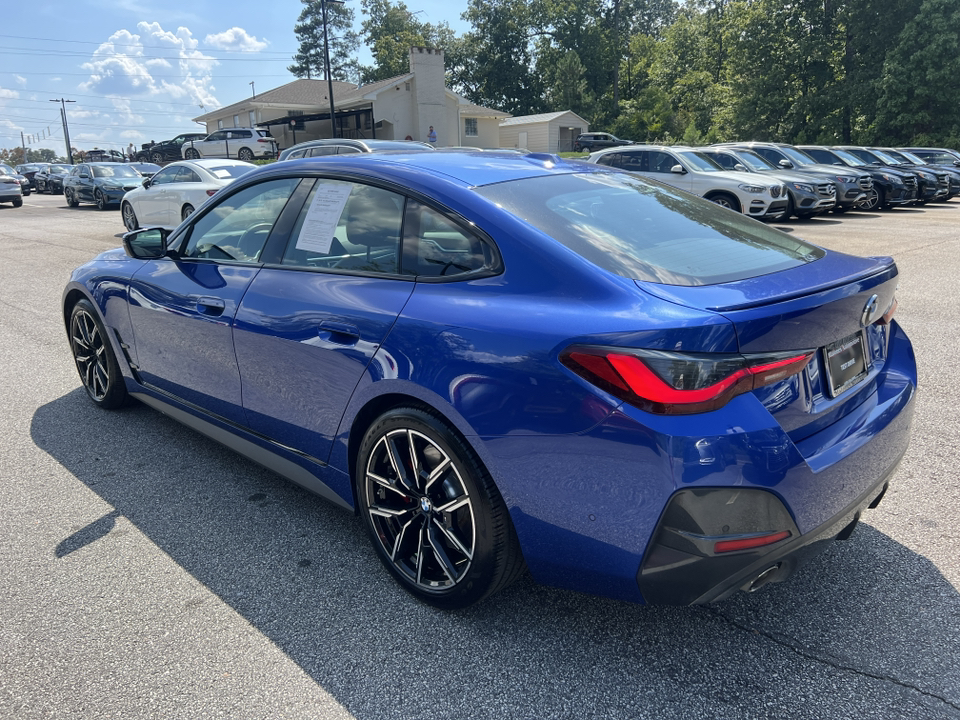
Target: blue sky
x,y
140,70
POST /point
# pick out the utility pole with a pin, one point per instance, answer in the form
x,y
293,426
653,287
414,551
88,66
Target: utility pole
x,y
66,131
24,143
326,63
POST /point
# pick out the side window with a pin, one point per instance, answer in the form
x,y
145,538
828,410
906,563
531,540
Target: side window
x,y
222,135
167,175
323,150
296,154
346,150
768,154
632,161
237,228
348,226
611,159
439,247
661,162
727,162
185,174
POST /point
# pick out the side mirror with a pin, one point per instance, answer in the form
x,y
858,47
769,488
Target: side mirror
x,y
785,164
740,167
146,182
147,244
678,169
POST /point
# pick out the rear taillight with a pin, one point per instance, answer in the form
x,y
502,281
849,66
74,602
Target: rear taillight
x,y
670,383
750,543
264,140
211,193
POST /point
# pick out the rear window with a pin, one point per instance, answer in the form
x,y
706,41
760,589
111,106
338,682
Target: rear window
x,y
229,171
644,231
263,133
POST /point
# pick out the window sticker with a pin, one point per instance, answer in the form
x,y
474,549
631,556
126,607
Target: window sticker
x,y
320,223
220,173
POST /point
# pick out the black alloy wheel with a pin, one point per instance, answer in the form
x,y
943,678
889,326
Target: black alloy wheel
x,y
98,368
433,514
130,221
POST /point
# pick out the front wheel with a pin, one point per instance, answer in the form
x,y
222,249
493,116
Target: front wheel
x,y
93,355
130,221
433,513
100,199
872,201
157,158
71,197
725,200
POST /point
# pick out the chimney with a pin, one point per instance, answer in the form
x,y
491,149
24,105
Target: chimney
x,y
429,81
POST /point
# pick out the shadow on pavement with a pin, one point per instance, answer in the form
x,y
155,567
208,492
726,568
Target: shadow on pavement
x,y
868,629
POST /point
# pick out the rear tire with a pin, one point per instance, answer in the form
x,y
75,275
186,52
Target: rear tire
x,y
245,154
191,154
433,513
18,202
186,212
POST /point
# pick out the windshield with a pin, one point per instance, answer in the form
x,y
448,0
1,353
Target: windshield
x,y
848,157
911,158
118,171
797,157
7,169
699,161
59,169
941,158
648,231
754,161
887,158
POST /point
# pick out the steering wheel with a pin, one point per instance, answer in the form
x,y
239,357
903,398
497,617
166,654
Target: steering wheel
x,y
250,240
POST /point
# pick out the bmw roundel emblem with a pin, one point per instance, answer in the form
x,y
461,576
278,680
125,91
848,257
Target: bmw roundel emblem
x,y
870,310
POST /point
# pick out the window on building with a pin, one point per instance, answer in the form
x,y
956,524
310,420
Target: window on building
x,y
252,115
219,124
470,127
236,121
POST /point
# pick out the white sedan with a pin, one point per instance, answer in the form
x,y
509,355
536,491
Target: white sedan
x,y
167,198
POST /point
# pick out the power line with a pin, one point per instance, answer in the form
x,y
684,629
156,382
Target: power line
x,y
93,72
68,53
159,47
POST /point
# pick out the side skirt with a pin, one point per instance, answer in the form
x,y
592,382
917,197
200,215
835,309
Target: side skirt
x,y
250,450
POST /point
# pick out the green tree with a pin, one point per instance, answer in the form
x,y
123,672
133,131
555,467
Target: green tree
x,y
919,93
499,70
309,60
390,30
569,91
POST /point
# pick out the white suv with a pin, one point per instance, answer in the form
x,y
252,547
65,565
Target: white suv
x,y
244,144
693,171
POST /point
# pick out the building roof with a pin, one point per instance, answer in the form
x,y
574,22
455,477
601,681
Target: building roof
x,y
539,118
299,92
471,110
361,92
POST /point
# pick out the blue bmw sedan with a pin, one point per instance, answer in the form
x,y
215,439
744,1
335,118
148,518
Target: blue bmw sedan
x,y
504,362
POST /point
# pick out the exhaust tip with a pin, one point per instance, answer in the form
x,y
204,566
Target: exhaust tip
x,y
762,579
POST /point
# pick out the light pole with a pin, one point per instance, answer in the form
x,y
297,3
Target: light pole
x,y
66,131
326,63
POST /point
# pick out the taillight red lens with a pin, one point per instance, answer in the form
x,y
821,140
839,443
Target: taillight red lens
x,y
677,384
211,193
750,543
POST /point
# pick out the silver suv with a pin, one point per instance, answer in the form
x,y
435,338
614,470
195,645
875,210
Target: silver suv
x,y
691,170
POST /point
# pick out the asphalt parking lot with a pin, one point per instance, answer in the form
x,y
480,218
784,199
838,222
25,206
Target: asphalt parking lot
x,y
146,572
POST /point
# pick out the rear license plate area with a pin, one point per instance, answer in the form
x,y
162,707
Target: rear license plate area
x,y
845,362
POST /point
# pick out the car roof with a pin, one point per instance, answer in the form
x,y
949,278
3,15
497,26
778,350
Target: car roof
x,y
468,168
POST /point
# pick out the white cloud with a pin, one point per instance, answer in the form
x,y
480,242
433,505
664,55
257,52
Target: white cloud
x,y
237,40
20,80
8,94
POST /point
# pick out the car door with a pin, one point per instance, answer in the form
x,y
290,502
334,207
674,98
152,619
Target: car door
x,y
661,166
150,202
310,324
182,307
83,190
214,146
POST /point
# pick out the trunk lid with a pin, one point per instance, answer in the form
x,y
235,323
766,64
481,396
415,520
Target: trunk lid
x,y
830,305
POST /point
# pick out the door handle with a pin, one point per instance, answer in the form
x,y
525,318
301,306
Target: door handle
x,y
342,333
210,306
